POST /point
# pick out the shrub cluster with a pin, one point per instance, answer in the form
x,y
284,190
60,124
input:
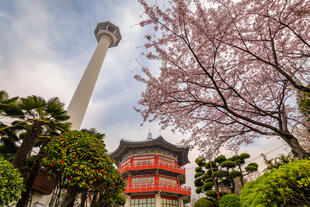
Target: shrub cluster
x,y
289,185
11,182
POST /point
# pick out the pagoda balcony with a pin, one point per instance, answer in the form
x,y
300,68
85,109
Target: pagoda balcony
x,y
145,165
151,187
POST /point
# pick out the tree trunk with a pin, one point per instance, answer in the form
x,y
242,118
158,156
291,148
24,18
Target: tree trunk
x,y
93,201
83,198
23,201
70,196
28,143
241,176
297,149
53,198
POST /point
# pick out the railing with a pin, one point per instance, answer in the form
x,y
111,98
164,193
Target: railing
x,y
151,165
167,187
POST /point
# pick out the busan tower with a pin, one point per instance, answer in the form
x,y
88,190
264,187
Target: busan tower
x,y
108,35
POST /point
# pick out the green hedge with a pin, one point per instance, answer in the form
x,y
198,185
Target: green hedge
x,y
203,202
11,183
289,185
230,200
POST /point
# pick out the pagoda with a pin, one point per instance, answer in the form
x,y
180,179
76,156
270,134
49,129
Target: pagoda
x,y
153,172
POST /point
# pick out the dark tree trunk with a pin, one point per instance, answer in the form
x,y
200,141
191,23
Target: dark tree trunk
x,y
23,201
93,201
70,196
83,198
297,149
241,176
102,201
28,143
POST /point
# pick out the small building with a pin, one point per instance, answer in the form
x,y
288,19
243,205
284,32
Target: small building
x,y
153,172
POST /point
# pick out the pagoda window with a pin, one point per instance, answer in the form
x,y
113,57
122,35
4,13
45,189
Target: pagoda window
x,y
144,160
166,161
142,201
143,181
169,201
168,181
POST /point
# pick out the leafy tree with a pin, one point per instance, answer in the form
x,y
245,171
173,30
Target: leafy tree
x,y
222,174
81,160
227,70
303,100
203,202
11,183
289,185
276,162
230,200
8,136
41,119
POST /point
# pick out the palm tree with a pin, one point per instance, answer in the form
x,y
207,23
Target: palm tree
x,y
41,119
8,135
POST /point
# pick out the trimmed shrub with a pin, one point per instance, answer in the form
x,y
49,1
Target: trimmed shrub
x,y
289,185
203,202
230,200
11,182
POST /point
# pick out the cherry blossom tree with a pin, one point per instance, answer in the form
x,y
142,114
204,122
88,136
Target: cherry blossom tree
x,y
230,71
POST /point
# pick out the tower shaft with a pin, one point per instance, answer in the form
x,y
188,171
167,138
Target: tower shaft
x,y
82,94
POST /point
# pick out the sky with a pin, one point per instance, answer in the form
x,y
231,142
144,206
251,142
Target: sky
x,y
45,47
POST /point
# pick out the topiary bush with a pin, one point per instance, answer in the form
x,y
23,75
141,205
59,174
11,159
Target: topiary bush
x,y
11,183
203,202
289,185
230,200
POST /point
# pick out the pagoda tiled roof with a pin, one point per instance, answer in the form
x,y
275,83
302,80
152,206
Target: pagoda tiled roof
x,y
126,145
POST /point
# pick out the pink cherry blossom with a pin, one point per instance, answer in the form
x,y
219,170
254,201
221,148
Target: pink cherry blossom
x,y
229,70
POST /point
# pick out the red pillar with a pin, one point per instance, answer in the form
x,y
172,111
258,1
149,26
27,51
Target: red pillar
x,y
156,159
131,162
129,180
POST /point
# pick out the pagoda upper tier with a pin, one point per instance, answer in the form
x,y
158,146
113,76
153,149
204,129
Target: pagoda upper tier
x,y
158,143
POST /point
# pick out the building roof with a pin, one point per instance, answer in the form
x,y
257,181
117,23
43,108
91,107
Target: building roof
x,y
126,145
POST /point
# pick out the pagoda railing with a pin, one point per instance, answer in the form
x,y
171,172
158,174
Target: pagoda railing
x,y
142,165
167,187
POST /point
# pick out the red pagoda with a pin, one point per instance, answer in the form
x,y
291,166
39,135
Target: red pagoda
x,y
152,172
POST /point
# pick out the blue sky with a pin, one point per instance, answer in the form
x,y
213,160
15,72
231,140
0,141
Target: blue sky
x,y
46,45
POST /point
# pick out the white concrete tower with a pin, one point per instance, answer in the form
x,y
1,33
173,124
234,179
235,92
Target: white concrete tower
x,y
108,35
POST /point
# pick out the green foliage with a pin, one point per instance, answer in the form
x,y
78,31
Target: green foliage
x,y
222,174
220,159
198,174
230,200
303,100
235,173
211,193
11,182
203,202
289,185
200,161
229,164
251,168
198,183
276,162
244,156
198,169
198,190
81,158
207,186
